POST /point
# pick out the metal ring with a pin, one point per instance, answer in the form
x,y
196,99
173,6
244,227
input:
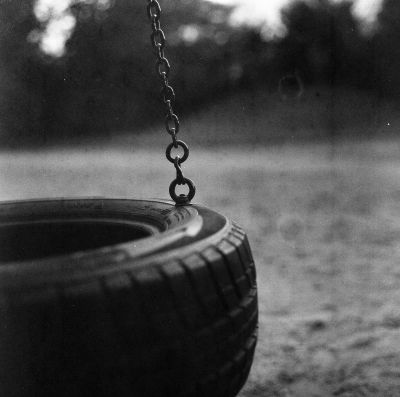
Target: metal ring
x,y
167,94
154,5
174,118
163,63
185,152
174,141
182,199
158,39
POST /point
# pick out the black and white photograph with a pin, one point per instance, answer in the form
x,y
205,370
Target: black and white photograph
x,y
199,198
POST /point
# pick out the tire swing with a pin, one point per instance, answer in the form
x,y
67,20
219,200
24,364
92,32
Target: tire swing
x,y
138,298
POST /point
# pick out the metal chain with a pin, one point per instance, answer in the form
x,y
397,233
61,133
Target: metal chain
x,y
168,98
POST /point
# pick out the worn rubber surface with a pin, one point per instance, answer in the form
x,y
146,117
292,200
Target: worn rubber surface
x,y
171,313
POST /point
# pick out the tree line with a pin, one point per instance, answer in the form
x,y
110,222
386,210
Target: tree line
x,y
106,81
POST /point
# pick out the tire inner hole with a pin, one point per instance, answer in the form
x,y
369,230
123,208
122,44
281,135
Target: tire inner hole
x,y
33,240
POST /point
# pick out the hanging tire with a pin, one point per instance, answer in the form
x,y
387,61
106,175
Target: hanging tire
x,y
104,297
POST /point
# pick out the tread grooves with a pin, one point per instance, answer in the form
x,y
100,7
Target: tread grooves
x,y
229,270
136,285
123,338
247,351
175,299
243,236
249,322
239,231
196,292
245,270
152,323
215,282
110,309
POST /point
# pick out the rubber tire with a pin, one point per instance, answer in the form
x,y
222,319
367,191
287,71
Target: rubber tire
x,y
173,314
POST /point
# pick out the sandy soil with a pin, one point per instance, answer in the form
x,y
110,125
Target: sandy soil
x,y
324,225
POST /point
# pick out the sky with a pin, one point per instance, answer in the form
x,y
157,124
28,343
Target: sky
x,y
60,23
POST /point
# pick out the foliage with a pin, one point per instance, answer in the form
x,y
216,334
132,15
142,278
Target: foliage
x,y
106,81
385,56
325,43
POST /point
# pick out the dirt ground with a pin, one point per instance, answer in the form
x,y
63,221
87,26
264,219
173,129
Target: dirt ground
x,y
324,225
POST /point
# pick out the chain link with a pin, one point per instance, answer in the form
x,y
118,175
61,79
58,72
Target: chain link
x,y
168,98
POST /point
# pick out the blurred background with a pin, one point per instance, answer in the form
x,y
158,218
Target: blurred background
x,y
291,111
75,69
